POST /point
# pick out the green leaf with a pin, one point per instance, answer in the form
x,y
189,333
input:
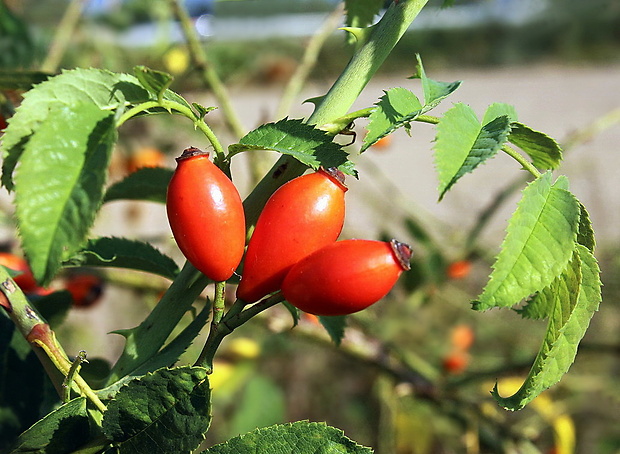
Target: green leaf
x,y
293,311
125,253
166,411
202,110
156,82
434,91
309,145
62,430
539,242
462,144
334,325
300,437
148,184
361,13
499,109
396,108
585,235
59,183
106,90
569,301
545,152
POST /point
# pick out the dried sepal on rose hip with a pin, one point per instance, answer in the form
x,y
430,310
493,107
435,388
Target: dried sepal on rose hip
x,y
300,217
206,215
346,276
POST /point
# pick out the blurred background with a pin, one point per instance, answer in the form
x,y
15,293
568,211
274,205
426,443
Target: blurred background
x,y
413,374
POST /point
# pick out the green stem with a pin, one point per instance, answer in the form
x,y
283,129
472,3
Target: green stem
x,y
380,41
428,119
527,165
232,320
207,72
218,302
73,371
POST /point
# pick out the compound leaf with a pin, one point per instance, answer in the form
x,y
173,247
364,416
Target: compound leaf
x,y
304,142
545,152
165,411
539,242
147,184
570,301
434,90
462,144
125,253
301,437
59,183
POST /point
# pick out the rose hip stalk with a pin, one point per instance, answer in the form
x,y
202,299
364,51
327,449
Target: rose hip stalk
x,y
206,215
301,217
346,276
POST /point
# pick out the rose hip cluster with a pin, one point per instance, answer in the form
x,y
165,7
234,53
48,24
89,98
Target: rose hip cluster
x,y
293,247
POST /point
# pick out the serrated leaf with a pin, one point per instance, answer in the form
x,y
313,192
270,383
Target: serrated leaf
x,y
334,325
154,81
148,184
361,13
434,91
571,301
309,145
125,253
545,152
301,437
462,144
106,90
166,411
585,235
59,184
395,108
62,430
499,109
539,242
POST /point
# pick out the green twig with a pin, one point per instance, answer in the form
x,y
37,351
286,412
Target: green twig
x,y
527,165
336,103
232,320
218,302
73,371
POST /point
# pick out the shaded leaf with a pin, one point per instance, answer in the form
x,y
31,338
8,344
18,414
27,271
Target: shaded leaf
x,y
59,183
309,145
545,152
361,13
570,302
166,411
499,109
154,81
125,253
539,243
300,437
148,184
585,235
334,325
62,430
